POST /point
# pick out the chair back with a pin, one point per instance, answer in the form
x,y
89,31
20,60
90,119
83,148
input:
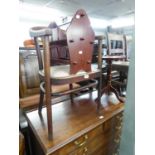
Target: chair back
x,y
116,44
75,44
80,40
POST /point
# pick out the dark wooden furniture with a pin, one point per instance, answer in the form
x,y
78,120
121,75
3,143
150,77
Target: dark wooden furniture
x,y
77,129
79,39
109,88
29,81
122,67
28,72
21,144
117,46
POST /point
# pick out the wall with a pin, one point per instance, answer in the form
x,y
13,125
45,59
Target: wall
x,y
127,146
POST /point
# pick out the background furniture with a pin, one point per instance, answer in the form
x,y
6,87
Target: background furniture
x,y
117,46
28,72
77,129
122,67
109,88
28,78
29,81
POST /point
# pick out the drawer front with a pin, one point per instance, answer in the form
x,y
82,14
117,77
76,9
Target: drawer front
x,y
81,141
117,135
103,140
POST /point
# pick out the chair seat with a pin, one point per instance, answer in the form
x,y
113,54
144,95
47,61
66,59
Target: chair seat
x,y
63,71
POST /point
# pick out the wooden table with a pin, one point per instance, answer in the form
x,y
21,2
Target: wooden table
x,y
109,88
77,128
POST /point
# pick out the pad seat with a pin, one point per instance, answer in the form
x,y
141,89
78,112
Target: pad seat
x,y
63,72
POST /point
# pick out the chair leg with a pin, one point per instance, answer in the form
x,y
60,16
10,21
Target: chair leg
x,y
41,101
71,95
99,95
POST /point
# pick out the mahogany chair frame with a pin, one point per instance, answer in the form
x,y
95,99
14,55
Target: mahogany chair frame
x,y
46,81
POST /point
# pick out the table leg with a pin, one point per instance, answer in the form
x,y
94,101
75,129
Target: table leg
x,y
116,93
108,89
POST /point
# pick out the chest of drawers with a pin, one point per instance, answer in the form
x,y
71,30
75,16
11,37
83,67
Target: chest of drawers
x,y
78,129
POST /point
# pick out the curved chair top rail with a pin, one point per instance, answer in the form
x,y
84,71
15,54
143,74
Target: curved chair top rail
x,y
40,31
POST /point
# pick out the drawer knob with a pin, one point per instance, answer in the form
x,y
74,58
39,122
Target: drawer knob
x,y
119,117
82,143
116,141
85,149
118,127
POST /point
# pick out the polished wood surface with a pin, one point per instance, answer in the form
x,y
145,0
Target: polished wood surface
x,y
70,122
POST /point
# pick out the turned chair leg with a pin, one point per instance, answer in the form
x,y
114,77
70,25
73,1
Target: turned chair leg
x,y
41,101
71,95
99,95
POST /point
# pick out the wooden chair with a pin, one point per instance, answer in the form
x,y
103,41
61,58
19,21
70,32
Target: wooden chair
x,y
78,38
117,45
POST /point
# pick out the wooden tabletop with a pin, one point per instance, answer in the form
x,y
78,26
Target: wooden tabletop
x,y
69,121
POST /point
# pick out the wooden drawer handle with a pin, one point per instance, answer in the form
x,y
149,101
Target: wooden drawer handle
x,y
83,143
85,150
119,117
118,127
116,141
